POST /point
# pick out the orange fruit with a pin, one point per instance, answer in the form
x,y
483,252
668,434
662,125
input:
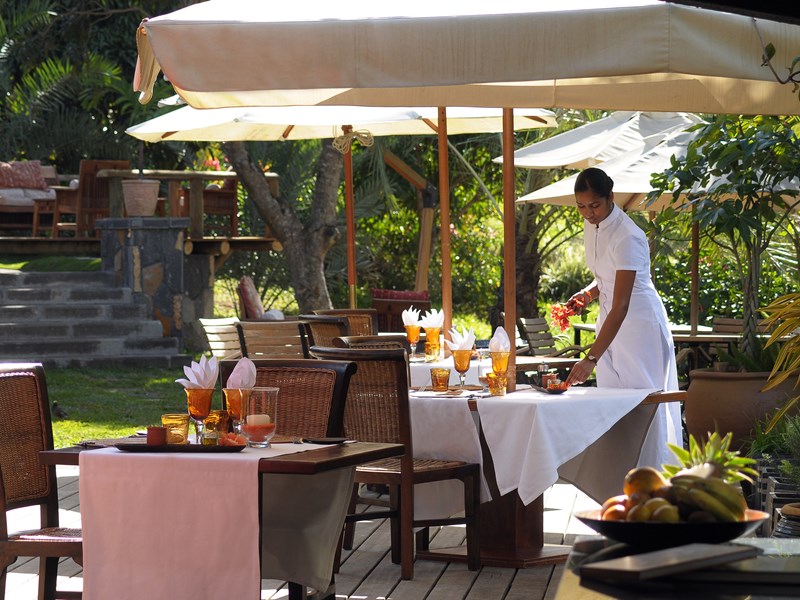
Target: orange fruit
x,y
614,513
644,480
621,499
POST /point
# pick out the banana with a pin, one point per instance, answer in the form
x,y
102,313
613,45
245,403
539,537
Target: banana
x,y
711,504
727,494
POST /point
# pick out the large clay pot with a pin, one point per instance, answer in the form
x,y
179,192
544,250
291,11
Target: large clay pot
x,y
723,402
140,197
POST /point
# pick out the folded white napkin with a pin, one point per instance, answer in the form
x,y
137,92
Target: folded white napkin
x,y
433,318
243,375
461,341
201,375
500,341
411,316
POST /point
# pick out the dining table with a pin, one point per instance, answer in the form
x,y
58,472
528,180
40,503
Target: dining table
x,y
525,442
166,523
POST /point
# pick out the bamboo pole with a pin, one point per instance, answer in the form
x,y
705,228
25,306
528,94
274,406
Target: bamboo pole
x,y
509,243
444,223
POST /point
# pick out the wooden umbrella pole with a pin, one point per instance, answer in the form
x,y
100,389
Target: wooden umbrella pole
x,y
444,222
694,314
350,216
509,243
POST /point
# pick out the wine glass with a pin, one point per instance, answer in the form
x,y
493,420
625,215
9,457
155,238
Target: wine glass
x,y
261,416
412,333
236,401
461,360
199,400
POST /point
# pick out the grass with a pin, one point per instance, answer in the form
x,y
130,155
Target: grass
x,y
49,263
109,403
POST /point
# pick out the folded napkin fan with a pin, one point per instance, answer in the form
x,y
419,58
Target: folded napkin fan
x,y
243,375
411,316
461,341
500,341
433,318
202,375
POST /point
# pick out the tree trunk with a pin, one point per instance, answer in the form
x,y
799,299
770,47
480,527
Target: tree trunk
x,y
305,243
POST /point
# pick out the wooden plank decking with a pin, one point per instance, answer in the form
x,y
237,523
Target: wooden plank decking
x,y
367,572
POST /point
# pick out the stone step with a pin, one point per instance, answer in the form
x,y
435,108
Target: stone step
x,y
83,311
166,361
64,293
75,329
94,346
20,279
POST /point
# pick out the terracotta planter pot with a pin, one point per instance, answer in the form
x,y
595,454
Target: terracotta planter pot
x,y
140,197
730,402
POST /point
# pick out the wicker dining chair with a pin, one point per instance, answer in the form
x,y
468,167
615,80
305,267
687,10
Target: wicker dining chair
x,y
377,410
273,339
321,329
386,342
361,321
25,430
312,395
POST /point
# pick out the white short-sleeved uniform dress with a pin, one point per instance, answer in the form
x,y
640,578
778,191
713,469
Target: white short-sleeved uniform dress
x,y
642,354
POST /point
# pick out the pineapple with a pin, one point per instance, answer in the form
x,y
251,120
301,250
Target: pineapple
x,y
714,458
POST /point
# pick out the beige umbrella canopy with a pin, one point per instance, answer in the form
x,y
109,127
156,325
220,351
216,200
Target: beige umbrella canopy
x,y
314,122
592,54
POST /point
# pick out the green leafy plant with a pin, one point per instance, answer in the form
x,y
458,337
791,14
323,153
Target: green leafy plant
x,y
712,458
783,318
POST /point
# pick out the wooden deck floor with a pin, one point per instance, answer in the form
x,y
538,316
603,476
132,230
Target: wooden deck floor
x,y
367,572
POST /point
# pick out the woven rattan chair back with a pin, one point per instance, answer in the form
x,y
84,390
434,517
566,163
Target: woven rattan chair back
x,y
361,321
377,401
25,430
272,339
321,329
377,342
223,337
312,397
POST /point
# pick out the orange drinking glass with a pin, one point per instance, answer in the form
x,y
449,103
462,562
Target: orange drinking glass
x,y
461,360
432,347
500,362
412,333
199,400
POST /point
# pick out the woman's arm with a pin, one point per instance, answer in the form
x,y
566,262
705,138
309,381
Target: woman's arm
x,y
623,288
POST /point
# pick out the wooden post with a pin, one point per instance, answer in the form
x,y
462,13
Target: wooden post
x,y
509,243
444,224
349,202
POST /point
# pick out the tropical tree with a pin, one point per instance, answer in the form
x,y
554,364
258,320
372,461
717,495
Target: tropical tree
x,y
739,176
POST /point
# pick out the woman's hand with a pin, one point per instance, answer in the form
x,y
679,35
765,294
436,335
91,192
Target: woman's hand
x,y
578,302
580,372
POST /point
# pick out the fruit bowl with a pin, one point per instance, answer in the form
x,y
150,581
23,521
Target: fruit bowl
x,y
653,535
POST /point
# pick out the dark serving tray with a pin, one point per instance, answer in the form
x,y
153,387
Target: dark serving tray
x,y
139,447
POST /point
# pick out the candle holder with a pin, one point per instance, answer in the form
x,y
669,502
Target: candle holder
x,y
260,421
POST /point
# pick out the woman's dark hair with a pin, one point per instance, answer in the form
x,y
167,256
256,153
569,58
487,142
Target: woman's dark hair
x,y
596,181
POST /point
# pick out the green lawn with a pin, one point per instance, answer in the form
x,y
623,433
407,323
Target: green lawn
x,y
107,403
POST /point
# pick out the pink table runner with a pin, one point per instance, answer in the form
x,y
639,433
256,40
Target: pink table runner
x,y
172,525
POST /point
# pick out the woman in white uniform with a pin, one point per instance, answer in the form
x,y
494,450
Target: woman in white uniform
x,y
633,347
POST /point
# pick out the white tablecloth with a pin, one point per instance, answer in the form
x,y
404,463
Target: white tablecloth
x,y
588,436
170,525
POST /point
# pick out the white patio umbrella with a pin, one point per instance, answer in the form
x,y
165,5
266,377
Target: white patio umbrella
x,y
315,122
601,140
593,54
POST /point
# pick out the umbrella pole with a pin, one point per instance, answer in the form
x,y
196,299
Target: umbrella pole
x,y
444,223
694,314
350,218
509,243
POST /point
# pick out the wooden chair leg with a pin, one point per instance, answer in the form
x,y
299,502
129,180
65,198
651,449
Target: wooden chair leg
x,y
350,528
407,532
395,525
48,574
423,538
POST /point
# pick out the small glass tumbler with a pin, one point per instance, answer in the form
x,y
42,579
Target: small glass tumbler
x,y
216,424
497,384
440,379
235,401
432,346
260,418
177,425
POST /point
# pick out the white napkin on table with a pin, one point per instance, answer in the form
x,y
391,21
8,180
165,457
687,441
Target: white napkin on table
x,y
432,318
202,375
461,341
243,375
500,341
411,316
